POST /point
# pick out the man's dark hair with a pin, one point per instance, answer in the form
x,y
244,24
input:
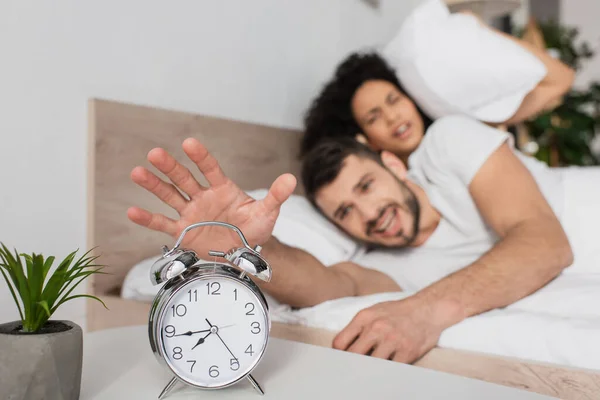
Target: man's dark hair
x,y
330,114
323,163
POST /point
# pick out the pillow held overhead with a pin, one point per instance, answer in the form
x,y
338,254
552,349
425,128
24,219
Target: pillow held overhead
x,y
451,64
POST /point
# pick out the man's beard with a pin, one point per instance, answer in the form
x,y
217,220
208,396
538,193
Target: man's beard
x,y
410,205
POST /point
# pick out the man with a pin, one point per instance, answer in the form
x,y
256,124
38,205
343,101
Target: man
x,y
464,184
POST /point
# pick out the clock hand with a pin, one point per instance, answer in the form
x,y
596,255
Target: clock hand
x,y
201,340
190,333
227,347
219,336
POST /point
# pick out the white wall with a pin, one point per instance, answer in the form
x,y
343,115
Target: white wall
x,y
521,15
585,14
258,61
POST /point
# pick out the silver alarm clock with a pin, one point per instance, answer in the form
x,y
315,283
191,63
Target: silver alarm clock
x,y
209,324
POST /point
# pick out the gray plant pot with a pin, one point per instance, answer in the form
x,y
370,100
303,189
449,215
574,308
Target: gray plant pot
x,y
36,366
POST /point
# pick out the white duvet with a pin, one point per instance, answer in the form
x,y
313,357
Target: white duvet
x,y
559,324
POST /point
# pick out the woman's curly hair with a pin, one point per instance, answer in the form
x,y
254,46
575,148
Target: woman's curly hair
x,y
330,114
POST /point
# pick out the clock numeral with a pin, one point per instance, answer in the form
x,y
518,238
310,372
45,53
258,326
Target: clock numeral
x,y
180,310
234,362
255,328
177,353
169,331
211,286
235,294
249,350
251,312
193,295
213,371
192,366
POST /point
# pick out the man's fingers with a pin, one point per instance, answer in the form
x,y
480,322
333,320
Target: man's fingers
x,y
205,161
403,356
156,222
164,191
344,339
409,354
280,191
365,343
384,349
177,173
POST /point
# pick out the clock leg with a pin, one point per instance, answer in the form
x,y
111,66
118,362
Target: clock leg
x,y
167,388
255,384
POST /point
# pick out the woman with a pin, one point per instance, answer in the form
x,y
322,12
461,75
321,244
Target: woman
x,y
365,96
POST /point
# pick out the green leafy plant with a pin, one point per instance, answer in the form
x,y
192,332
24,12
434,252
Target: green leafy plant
x,y
41,298
565,134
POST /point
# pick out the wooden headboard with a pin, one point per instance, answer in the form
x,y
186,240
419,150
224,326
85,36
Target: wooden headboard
x,y
121,136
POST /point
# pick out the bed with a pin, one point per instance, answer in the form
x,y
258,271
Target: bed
x,y
120,135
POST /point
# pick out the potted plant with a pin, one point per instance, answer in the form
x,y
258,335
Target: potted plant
x,y
41,358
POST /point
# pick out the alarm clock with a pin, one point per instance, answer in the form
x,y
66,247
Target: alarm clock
x,y
209,323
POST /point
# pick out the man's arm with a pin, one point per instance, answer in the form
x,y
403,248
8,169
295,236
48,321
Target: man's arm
x,y
532,251
302,281
299,279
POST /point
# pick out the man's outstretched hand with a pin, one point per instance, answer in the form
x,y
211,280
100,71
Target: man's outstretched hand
x,y
221,201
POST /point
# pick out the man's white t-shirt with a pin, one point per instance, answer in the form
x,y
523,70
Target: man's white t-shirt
x,y
450,155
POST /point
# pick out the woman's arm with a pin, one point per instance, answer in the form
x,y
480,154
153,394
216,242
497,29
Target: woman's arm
x,y
558,80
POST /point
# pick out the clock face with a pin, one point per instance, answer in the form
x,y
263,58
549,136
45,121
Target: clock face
x,y
213,331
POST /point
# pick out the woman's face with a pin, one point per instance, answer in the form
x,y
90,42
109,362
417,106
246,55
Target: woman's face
x,y
388,118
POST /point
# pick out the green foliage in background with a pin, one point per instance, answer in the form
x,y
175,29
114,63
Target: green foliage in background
x,y
564,135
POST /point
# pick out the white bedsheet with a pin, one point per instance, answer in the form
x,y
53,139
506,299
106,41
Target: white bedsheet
x,y
558,324
550,335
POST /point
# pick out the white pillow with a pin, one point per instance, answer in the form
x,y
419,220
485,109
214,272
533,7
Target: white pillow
x,y
451,64
299,225
136,285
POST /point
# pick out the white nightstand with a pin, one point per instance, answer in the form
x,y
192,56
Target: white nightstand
x,y
118,364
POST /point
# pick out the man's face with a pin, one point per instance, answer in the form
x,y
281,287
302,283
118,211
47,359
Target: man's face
x,y
371,204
